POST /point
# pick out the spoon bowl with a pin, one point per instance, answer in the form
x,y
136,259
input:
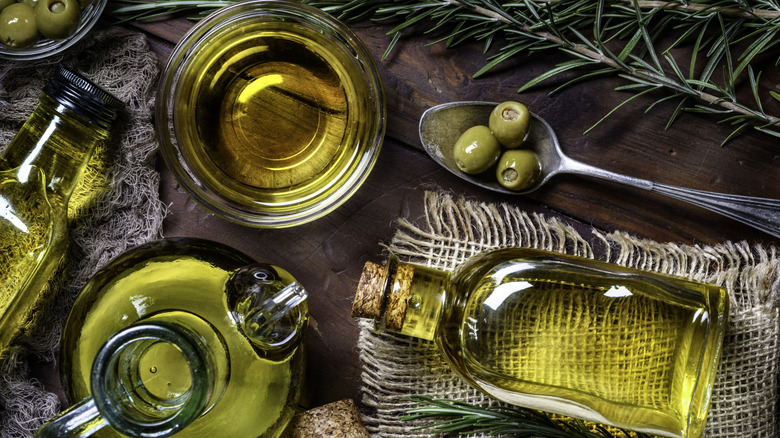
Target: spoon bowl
x,y
441,125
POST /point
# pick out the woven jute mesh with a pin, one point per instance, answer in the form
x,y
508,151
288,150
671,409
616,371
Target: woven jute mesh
x,y
115,207
547,336
744,397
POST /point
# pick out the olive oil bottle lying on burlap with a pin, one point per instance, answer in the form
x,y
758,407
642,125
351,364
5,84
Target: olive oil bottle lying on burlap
x,y
39,170
563,334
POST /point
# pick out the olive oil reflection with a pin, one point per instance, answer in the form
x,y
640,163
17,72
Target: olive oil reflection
x,y
273,114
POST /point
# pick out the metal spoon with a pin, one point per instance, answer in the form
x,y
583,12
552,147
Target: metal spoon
x,y
441,125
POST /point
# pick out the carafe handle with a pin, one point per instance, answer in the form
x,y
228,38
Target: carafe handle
x,y
82,420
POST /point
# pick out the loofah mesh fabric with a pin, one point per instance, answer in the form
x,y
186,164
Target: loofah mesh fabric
x,y
115,207
745,394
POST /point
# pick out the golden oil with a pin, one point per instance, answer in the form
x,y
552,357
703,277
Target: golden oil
x,y
566,335
183,282
39,171
33,239
269,113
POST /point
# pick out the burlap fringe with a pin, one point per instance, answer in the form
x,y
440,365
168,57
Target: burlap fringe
x,y
744,401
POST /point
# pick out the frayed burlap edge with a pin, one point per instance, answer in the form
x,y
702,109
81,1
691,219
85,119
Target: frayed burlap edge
x,y
117,209
744,401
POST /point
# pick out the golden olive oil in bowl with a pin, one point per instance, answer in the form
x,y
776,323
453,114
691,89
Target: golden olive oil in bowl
x,y
272,113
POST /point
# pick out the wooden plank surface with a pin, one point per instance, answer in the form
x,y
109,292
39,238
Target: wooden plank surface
x,y
327,255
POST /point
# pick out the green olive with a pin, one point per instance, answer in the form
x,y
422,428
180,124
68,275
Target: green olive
x,y
32,3
5,3
84,3
17,26
476,150
57,18
509,122
518,169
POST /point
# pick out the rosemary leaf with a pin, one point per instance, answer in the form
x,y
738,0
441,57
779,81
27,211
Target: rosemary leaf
x,y
584,77
569,65
639,94
451,416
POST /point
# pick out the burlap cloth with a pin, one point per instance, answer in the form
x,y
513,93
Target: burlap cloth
x,y
116,207
744,400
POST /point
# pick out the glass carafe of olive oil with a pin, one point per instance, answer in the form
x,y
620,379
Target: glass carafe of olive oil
x,y
39,170
563,334
183,336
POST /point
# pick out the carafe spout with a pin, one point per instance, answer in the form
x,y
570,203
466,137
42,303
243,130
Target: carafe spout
x,y
270,313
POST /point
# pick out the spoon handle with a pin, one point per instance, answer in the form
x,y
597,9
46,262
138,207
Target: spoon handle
x,y
760,213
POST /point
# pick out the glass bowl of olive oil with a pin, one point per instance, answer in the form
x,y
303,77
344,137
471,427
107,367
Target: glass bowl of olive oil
x,y
270,114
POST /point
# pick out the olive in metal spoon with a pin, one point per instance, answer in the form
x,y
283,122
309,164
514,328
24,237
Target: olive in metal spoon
x,y
441,125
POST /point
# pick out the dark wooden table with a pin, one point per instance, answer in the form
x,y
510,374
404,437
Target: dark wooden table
x,y
327,255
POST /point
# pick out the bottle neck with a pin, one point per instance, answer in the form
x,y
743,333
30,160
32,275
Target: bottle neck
x,y
59,142
153,378
150,379
402,298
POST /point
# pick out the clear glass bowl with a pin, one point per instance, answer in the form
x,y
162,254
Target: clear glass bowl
x,y
46,47
270,114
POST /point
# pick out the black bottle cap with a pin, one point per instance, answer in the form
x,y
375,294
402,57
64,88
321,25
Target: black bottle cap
x,y
84,97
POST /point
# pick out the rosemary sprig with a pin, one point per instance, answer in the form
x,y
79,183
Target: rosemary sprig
x,y
450,416
604,37
138,10
564,24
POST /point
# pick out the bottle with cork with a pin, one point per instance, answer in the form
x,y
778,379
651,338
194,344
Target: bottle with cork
x,y
563,334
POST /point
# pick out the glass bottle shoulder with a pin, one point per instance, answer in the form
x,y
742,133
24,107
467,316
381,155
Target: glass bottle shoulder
x,y
512,264
54,134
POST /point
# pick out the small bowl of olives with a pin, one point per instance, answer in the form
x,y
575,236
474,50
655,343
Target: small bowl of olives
x,y
36,29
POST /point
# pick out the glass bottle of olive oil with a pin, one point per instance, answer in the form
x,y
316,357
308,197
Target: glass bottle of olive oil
x,y
184,336
39,170
563,334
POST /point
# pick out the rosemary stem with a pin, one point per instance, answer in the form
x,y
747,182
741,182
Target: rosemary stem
x,y
171,4
608,61
702,7
765,14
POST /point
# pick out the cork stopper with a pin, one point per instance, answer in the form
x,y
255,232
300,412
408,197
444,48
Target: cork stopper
x,y
339,418
398,298
384,302
370,292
